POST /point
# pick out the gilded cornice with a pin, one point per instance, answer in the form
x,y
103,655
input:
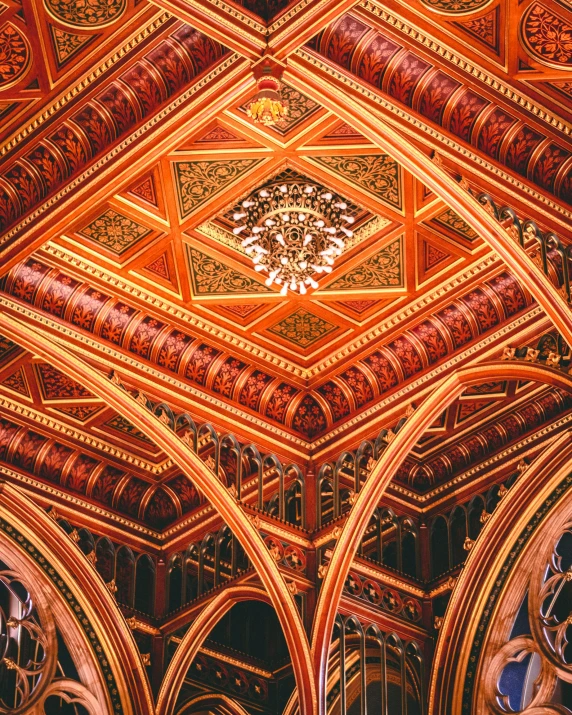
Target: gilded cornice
x,y
399,398
387,579
134,137
290,14
31,482
59,103
156,377
72,259
41,418
536,199
470,68
509,456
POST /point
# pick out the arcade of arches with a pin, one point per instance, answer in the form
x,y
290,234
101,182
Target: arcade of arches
x,y
350,495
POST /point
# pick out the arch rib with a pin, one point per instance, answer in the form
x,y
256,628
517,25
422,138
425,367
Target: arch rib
x,y
388,464
334,95
34,339
193,639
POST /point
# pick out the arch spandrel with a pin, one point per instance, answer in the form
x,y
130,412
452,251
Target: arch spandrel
x,y
448,390
473,645
41,345
74,600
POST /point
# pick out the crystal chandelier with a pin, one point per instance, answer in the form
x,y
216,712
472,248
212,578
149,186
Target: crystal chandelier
x,y
293,231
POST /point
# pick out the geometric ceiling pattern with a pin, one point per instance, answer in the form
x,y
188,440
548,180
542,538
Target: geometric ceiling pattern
x,y
126,149
146,269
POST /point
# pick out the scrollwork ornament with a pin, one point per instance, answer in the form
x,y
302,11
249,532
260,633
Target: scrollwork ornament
x,y
15,55
28,647
456,7
86,13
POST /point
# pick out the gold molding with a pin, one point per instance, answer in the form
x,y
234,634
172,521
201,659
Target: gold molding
x,y
236,14
291,440
401,395
444,141
60,102
503,457
450,55
41,418
119,148
191,319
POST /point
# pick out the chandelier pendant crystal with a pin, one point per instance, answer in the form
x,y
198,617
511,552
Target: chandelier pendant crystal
x,y
293,231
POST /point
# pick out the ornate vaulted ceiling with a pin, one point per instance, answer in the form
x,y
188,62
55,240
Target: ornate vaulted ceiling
x,y
126,147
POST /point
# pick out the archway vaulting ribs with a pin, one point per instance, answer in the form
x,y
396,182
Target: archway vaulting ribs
x,y
219,497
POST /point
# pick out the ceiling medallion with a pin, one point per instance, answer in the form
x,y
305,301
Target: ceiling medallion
x,y
294,230
267,107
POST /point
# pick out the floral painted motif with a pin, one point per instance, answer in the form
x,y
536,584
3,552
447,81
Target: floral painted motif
x,y
199,363
197,181
81,413
435,96
57,386
382,270
54,462
483,308
309,418
88,13
484,27
357,306
476,446
211,277
14,54
547,36
252,390
67,44
186,491
456,7
127,100
433,255
367,53
281,397
226,376
336,399
160,267
6,346
378,174
359,385
302,328
114,231
144,336
122,424
432,339
407,355
79,472
405,77
457,324
383,370
452,220
16,382
172,349
161,510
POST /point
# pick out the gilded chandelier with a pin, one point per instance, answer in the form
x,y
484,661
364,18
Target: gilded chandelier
x,y
293,231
